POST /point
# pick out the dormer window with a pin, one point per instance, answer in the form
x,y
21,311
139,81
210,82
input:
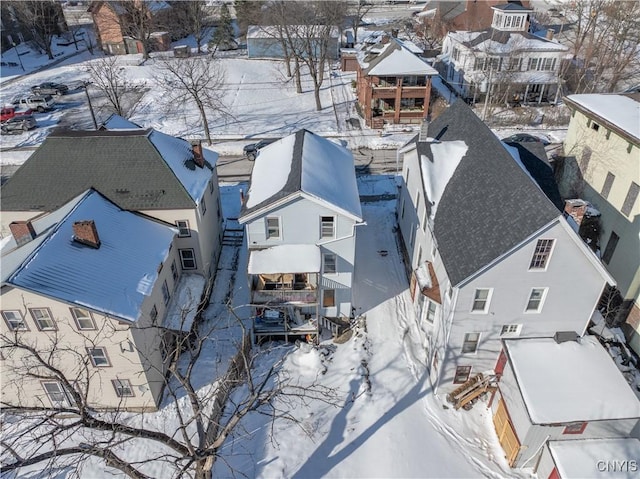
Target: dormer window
x,y
512,21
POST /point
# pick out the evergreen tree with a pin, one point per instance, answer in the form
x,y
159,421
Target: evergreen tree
x,y
223,37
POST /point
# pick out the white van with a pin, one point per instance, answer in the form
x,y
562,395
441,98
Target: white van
x,y
36,102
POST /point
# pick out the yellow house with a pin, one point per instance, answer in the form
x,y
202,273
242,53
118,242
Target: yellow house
x,y
91,299
604,140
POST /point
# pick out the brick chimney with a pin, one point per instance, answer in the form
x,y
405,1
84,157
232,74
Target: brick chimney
x,y
198,157
549,35
22,232
576,209
85,232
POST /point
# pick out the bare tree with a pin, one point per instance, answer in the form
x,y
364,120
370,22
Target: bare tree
x,y
605,40
309,30
73,430
196,81
357,11
192,18
43,17
108,76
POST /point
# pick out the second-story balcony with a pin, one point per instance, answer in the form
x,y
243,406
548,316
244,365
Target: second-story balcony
x,y
284,274
281,288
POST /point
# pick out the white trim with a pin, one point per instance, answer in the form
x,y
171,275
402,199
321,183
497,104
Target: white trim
x,y
545,290
487,304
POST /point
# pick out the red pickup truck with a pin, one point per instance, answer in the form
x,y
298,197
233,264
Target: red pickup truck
x,y
8,112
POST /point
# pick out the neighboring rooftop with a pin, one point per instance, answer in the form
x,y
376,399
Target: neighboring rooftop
x,y
290,258
306,164
138,169
620,110
577,458
552,376
114,278
396,57
497,41
479,188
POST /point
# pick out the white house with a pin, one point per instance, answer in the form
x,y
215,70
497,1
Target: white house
x,y
138,169
512,64
301,214
97,291
489,254
561,391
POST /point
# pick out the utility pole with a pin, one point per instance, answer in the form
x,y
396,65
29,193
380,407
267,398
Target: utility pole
x,y
93,115
486,97
15,46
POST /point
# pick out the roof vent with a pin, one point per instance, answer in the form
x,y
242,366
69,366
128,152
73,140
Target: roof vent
x,y
564,336
85,232
22,232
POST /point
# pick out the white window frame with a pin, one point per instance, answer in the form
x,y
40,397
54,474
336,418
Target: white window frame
x,y
183,225
92,356
332,258
487,301
10,315
323,227
46,317
541,254
119,385
466,342
183,251
272,232
78,319
541,300
431,310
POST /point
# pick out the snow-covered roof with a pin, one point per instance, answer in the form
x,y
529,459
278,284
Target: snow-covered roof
x,y
578,458
184,304
397,57
114,278
304,164
498,42
176,152
437,173
622,111
292,258
571,381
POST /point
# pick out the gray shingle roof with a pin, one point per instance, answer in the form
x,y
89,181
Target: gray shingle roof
x,y
490,204
123,165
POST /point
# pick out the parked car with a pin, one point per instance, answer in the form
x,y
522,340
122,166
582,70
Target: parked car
x,y
525,138
251,150
18,123
50,88
36,102
11,111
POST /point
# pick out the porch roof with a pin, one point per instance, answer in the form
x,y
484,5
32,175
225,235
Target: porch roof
x,y
575,458
570,382
288,258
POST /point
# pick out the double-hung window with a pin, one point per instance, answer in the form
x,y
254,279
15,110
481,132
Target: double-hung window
x,y
329,260
43,318
83,318
187,258
273,227
56,393
98,356
123,388
183,228
14,320
166,296
470,344
481,300
536,299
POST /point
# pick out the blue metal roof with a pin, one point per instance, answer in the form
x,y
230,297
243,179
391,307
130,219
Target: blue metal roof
x,y
114,278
